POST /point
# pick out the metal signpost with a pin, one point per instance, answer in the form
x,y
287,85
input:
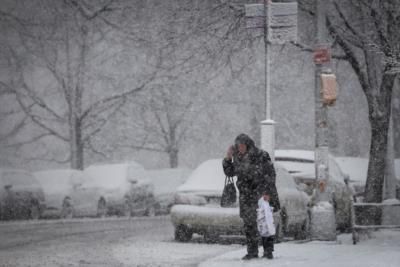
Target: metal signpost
x,y
325,93
278,21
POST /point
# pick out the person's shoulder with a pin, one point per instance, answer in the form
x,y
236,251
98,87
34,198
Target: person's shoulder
x,y
265,155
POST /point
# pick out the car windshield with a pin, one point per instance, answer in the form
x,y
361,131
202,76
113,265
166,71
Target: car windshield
x,y
17,178
58,180
107,176
283,178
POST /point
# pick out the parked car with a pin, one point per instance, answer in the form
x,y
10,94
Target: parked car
x,y
58,186
114,189
21,196
301,165
165,182
198,210
357,169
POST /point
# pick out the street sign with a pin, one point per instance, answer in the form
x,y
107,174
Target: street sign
x,y
255,16
280,18
322,55
255,22
254,10
282,22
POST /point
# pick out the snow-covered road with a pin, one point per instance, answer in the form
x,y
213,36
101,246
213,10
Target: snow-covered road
x,y
110,242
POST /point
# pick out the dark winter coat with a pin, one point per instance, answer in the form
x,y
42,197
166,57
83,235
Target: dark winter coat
x,y
255,175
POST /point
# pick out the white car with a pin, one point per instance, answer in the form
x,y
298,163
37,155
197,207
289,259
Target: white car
x,y
58,186
165,182
301,165
114,189
21,196
198,209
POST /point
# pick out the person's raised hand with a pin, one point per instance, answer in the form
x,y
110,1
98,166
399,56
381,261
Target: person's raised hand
x,y
229,153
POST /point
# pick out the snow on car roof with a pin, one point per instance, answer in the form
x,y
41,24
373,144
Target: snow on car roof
x,y
295,154
114,175
56,180
166,181
208,177
357,168
301,169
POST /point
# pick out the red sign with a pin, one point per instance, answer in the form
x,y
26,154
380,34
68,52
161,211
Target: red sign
x,y
322,55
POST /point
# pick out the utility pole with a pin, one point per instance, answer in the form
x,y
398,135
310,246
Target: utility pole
x,y
322,221
321,110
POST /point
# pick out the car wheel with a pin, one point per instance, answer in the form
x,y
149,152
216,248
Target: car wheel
x,y
34,211
211,237
303,230
127,209
101,208
281,226
183,233
151,212
67,211
279,233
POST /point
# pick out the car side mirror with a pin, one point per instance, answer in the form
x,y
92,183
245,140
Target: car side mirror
x,y
346,177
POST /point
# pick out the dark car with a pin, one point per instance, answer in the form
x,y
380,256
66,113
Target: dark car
x,y
21,196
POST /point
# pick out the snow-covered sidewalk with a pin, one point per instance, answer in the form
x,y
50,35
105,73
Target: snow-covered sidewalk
x,y
381,249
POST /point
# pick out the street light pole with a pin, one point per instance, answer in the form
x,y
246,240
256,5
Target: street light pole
x,y
267,125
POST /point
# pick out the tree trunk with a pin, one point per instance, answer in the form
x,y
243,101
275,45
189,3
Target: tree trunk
x,y
379,114
390,176
76,145
173,158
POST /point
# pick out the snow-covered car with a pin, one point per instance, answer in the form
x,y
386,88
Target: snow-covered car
x,y
21,196
198,209
58,186
165,182
301,165
357,169
114,189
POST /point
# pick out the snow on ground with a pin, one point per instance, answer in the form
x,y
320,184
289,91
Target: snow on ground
x,y
167,253
382,249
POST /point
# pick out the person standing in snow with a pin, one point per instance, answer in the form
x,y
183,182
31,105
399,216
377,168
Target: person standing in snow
x,y
255,175
265,224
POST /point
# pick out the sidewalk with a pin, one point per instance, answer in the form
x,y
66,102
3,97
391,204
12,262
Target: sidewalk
x,y
381,249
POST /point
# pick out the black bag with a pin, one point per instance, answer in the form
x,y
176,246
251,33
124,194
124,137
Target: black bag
x,y
228,198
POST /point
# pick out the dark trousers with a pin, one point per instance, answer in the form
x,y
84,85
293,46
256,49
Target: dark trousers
x,y
248,213
268,243
251,232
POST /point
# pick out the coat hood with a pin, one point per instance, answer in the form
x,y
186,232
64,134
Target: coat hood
x,y
244,139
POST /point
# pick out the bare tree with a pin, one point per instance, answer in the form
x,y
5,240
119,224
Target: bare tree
x,y
62,44
367,32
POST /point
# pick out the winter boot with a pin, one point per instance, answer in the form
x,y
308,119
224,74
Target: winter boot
x,y
249,257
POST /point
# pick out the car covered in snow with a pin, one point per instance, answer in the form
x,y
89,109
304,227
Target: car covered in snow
x,y
357,168
301,165
58,186
21,196
165,182
114,189
198,209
